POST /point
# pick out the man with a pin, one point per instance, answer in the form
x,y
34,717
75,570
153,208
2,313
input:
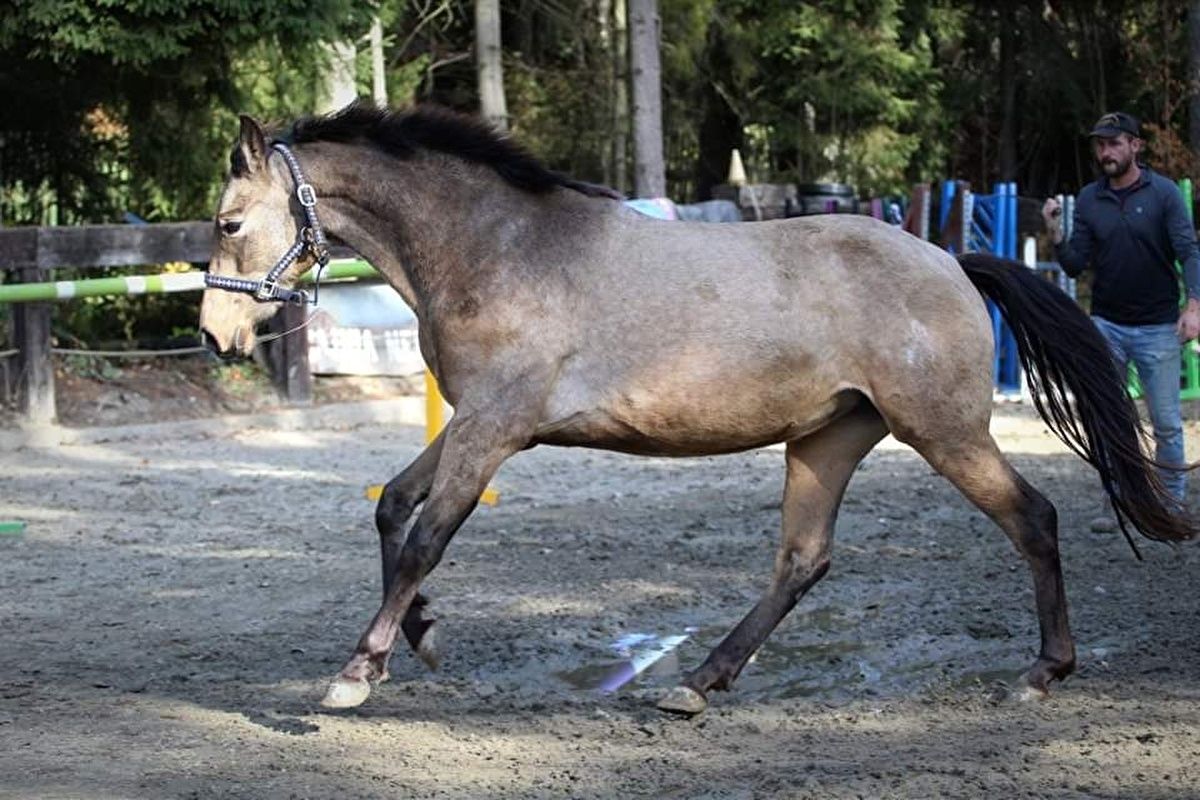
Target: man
x,y
1130,227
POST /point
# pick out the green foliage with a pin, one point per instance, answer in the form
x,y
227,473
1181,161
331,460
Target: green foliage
x,y
93,367
131,107
143,35
846,88
556,116
116,107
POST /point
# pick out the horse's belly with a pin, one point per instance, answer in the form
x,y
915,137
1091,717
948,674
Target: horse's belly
x,y
718,422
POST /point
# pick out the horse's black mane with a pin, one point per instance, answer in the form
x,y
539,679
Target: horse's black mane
x,y
403,133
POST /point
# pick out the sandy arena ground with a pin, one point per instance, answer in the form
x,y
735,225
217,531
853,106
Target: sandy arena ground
x,y
175,607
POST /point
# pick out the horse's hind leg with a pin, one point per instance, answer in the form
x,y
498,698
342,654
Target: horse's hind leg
x,y
399,499
819,467
980,471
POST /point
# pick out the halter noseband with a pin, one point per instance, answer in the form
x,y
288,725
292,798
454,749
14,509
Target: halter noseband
x,y
311,239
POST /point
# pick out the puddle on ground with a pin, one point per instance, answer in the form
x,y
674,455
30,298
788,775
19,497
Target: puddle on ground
x,y
785,670
644,656
987,677
779,669
827,652
618,673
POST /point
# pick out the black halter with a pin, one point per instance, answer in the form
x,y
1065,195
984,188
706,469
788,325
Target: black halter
x,y
311,239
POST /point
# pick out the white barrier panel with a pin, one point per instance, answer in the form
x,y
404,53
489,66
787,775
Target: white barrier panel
x,y
366,329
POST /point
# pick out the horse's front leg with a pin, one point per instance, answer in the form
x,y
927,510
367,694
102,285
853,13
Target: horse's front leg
x,y
474,448
400,497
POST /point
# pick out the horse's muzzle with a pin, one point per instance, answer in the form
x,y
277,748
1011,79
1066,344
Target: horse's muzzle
x,y
210,341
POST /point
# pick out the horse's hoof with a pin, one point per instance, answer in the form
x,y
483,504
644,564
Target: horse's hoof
x,y
346,693
1027,691
683,700
427,649
1028,694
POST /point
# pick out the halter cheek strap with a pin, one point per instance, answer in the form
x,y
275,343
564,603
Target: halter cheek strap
x,y
311,239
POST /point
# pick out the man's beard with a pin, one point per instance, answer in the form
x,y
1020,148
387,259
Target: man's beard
x,y
1114,168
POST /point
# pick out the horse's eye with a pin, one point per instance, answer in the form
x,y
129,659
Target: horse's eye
x,y
231,227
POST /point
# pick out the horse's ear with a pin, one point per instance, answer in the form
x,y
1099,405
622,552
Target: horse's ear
x,y
250,154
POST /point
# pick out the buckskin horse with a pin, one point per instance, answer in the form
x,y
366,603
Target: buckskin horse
x,y
551,314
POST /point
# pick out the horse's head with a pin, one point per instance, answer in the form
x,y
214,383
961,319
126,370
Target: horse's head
x,y
259,219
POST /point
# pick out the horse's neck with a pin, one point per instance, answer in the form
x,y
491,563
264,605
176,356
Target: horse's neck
x,y
430,224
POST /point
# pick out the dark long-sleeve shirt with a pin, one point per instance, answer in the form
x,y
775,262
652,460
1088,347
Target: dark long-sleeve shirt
x,y
1131,244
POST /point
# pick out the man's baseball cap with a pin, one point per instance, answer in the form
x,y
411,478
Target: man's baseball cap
x,y
1115,123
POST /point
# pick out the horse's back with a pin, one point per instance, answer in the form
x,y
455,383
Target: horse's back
x,y
833,287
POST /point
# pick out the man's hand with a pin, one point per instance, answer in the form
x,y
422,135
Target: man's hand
x,y
1189,321
1052,215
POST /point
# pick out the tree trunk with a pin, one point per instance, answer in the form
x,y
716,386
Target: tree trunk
x,y
488,63
620,100
287,358
1194,77
337,84
1008,95
521,28
378,76
604,25
649,167
721,127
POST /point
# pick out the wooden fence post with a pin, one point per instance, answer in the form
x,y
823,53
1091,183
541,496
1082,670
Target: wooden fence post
x,y
916,221
288,356
958,222
35,369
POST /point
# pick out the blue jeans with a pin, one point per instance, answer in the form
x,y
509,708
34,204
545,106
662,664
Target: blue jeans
x,y
1154,350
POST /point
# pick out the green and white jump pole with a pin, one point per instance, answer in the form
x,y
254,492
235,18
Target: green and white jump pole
x,y
166,283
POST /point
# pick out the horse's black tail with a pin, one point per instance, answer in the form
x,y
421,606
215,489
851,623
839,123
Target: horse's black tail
x,y
1080,392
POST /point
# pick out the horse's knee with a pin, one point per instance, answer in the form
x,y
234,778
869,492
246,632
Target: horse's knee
x,y
395,506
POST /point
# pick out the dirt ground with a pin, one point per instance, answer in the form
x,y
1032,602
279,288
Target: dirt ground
x,y
174,608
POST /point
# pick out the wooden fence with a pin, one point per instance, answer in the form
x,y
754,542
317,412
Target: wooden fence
x,y
29,255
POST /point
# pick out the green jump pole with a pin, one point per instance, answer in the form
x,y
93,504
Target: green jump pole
x,y
341,270
151,284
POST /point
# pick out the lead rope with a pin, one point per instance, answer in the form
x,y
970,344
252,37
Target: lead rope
x,y
270,337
